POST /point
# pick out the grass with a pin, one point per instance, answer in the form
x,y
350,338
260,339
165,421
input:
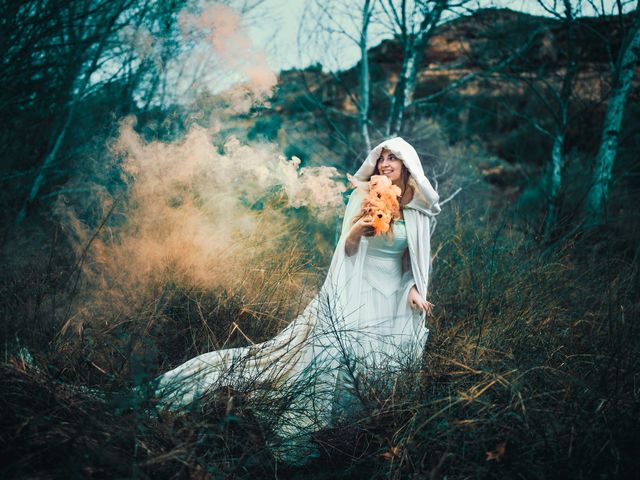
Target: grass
x,y
531,371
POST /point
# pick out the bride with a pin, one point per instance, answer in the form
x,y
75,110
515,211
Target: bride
x,y
370,311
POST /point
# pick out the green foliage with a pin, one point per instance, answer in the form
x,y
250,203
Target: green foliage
x,y
265,128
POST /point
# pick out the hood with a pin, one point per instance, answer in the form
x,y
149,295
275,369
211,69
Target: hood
x,y
427,198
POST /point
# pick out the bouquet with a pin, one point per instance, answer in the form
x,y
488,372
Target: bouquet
x,y
381,203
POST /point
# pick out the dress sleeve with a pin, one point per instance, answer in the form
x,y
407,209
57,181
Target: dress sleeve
x,y
342,285
351,210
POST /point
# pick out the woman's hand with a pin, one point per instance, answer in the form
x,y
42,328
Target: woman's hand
x,y
417,302
363,227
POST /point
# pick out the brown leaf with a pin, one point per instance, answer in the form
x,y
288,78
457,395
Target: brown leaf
x,y
393,452
493,171
498,453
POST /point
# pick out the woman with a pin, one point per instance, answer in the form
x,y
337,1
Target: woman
x,y
370,310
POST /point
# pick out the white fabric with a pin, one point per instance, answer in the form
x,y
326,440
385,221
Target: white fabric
x,y
360,317
428,198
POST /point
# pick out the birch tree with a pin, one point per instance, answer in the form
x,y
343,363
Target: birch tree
x,y
561,116
557,98
324,28
365,79
551,83
413,24
622,75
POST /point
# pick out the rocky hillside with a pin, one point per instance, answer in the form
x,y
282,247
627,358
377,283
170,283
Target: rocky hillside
x,y
494,108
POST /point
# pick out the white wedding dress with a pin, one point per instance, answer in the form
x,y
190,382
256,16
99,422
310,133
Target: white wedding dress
x,y
354,324
380,333
359,322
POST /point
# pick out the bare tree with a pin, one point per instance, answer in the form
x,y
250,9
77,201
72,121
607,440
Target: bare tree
x,y
551,77
621,76
325,27
561,116
555,90
413,24
365,78
62,53
90,26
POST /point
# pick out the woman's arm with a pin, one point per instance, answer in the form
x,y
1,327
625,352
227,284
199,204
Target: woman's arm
x,y
351,210
351,244
413,297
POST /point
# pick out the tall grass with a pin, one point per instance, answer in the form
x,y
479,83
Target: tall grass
x,y
530,371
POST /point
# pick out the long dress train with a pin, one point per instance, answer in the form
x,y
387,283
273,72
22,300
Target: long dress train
x,y
359,319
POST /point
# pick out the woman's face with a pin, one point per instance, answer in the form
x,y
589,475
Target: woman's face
x,y
390,165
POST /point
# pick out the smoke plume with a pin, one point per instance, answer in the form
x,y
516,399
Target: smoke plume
x,y
195,217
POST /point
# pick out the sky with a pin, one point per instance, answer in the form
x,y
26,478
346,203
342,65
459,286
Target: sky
x,y
275,30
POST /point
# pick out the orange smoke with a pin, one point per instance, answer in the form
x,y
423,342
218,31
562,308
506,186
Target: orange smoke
x,y
195,218
225,35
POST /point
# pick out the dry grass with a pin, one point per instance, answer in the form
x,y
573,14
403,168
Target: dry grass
x,y
530,371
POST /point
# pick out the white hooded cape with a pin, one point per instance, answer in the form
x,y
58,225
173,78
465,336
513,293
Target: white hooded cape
x,y
418,213
318,347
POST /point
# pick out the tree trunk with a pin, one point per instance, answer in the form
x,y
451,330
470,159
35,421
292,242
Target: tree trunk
x,y
406,87
365,80
557,151
606,156
398,103
414,45
555,181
